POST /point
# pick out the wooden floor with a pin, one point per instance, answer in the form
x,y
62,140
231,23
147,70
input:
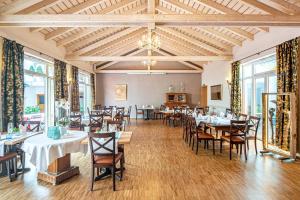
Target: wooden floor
x,y
159,165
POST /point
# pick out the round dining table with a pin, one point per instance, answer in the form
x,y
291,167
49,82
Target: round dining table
x,y
52,157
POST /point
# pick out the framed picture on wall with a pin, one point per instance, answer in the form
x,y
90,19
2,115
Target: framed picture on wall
x,y
216,92
121,92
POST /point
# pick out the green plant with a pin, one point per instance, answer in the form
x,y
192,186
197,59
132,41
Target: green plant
x,y
32,109
16,130
63,122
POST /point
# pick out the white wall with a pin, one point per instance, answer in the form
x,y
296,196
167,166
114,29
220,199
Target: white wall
x,y
37,42
218,72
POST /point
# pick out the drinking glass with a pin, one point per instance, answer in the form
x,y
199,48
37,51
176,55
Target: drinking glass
x,y
10,128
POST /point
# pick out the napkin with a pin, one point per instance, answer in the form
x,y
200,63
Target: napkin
x,y
1,148
229,116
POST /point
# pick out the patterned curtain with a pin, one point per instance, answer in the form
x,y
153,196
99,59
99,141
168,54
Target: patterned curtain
x,y
93,90
287,61
235,97
61,84
12,83
75,107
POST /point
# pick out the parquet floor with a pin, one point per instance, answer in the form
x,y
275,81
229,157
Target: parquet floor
x,y
159,165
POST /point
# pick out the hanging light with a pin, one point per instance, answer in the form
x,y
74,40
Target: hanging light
x,y
149,41
149,62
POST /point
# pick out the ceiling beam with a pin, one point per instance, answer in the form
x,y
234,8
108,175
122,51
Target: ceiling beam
x,y
78,20
149,71
242,33
156,58
292,7
222,36
16,6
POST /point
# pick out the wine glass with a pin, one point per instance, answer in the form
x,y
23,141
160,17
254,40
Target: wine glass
x,y
10,128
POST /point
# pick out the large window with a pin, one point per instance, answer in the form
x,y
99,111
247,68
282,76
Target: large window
x,y
39,90
85,92
257,76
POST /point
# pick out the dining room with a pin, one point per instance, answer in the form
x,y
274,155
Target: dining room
x,y
149,99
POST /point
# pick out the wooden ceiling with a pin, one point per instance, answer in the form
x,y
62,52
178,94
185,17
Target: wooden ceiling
x,y
106,32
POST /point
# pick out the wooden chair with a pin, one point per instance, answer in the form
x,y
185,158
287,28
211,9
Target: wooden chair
x,y
176,117
96,121
138,112
158,113
237,136
120,112
199,134
189,113
10,159
32,126
199,110
127,115
119,125
75,121
243,116
206,110
97,107
228,111
107,112
104,155
252,132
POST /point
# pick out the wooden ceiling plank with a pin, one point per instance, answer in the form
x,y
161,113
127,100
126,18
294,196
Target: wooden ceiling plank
x,y
39,6
222,36
192,40
241,33
104,41
187,71
295,9
115,62
17,5
264,7
216,6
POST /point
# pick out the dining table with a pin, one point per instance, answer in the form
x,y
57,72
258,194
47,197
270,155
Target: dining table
x,y
52,158
8,142
147,109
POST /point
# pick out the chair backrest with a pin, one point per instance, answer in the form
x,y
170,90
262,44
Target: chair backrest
x,y
206,109
32,126
120,112
199,110
118,125
253,124
97,107
103,144
162,107
129,110
238,128
189,111
243,116
96,121
228,111
108,111
75,120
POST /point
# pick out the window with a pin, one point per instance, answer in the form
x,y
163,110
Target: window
x,y
257,77
39,90
85,94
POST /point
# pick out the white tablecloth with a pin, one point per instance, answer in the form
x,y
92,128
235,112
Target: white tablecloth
x,y
213,120
1,148
42,151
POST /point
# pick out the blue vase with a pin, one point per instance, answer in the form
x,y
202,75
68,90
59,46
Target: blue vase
x,y
57,134
51,131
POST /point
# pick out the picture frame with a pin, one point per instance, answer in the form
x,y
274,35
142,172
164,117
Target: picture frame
x,y
216,92
121,92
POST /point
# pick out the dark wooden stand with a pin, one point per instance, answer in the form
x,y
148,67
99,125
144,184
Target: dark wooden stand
x,y
59,171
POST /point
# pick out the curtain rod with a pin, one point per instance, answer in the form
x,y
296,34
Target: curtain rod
x,y
42,53
257,53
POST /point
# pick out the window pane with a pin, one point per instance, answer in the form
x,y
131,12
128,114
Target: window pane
x,y
265,64
81,98
248,96
247,70
34,66
34,98
272,84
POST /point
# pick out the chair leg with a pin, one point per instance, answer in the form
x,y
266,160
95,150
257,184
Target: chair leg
x,y
237,148
241,150
255,144
16,168
221,144
92,177
245,151
248,144
114,178
193,144
230,147
197,146
213,146
8,170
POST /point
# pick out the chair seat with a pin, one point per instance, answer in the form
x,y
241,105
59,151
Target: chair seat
x,y
205,136
74,128
8,156
107,160
234,139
